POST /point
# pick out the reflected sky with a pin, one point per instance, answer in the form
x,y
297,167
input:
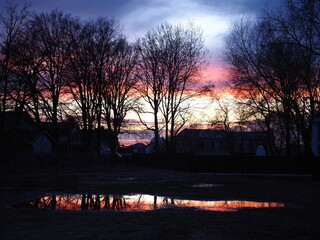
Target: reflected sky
x,y
136,202
206,185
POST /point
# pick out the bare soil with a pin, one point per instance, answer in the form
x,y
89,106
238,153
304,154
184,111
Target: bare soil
x,y
300,219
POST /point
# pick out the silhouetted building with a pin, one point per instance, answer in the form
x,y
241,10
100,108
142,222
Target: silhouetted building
x,y
68,135
36,142
220,142
151,147
25,143
247,143
17,120
315,142
22,142
138,148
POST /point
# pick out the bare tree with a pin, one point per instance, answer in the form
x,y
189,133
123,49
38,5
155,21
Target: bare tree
x,y
151,75
171,59
300,24
89,51
259,76
12,24
299,20
275,68
106,35
118,89
101,78
52,37
27,61
81,80
223,110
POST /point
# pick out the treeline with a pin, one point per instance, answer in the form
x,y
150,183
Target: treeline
x,y
275,72
56,66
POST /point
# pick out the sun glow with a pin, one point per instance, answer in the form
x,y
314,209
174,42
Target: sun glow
x,y
216,73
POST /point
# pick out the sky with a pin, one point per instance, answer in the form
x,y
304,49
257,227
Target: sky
x,y
136,17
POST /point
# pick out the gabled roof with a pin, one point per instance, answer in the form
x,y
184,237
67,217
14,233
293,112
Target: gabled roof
x,y
15,119
201,133
63,128
262,136
217,134
22,137
138,145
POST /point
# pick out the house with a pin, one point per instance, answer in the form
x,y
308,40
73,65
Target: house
x,y
24,142
96,140
315,137
68,134
104,147
21,136
248,143
220,142
22,149
202,142
151,147
35,142
17,120
138,148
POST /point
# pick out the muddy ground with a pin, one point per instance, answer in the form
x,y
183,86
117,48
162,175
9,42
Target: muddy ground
x,y
300,219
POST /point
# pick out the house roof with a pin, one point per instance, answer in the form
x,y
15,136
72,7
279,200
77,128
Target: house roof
x,y
21,137
63,128
138,145
202,133
262,136
217,134
15,119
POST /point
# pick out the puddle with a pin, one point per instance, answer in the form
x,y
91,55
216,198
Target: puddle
x,y
125,179
206,185
136,202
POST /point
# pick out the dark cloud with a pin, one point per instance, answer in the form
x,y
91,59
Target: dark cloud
x,y
121,8
238,6
84,8
138,16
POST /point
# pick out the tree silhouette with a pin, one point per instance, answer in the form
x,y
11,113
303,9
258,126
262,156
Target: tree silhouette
x,y
171,58
12,25
274,66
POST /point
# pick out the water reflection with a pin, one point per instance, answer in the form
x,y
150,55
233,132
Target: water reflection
x,y
137,202
206,185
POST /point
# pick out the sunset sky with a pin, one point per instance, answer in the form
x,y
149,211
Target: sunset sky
x,y
138,16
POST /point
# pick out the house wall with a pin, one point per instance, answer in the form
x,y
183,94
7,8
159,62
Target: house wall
x,y
104,148
221,145
202,146
42,144
315,136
